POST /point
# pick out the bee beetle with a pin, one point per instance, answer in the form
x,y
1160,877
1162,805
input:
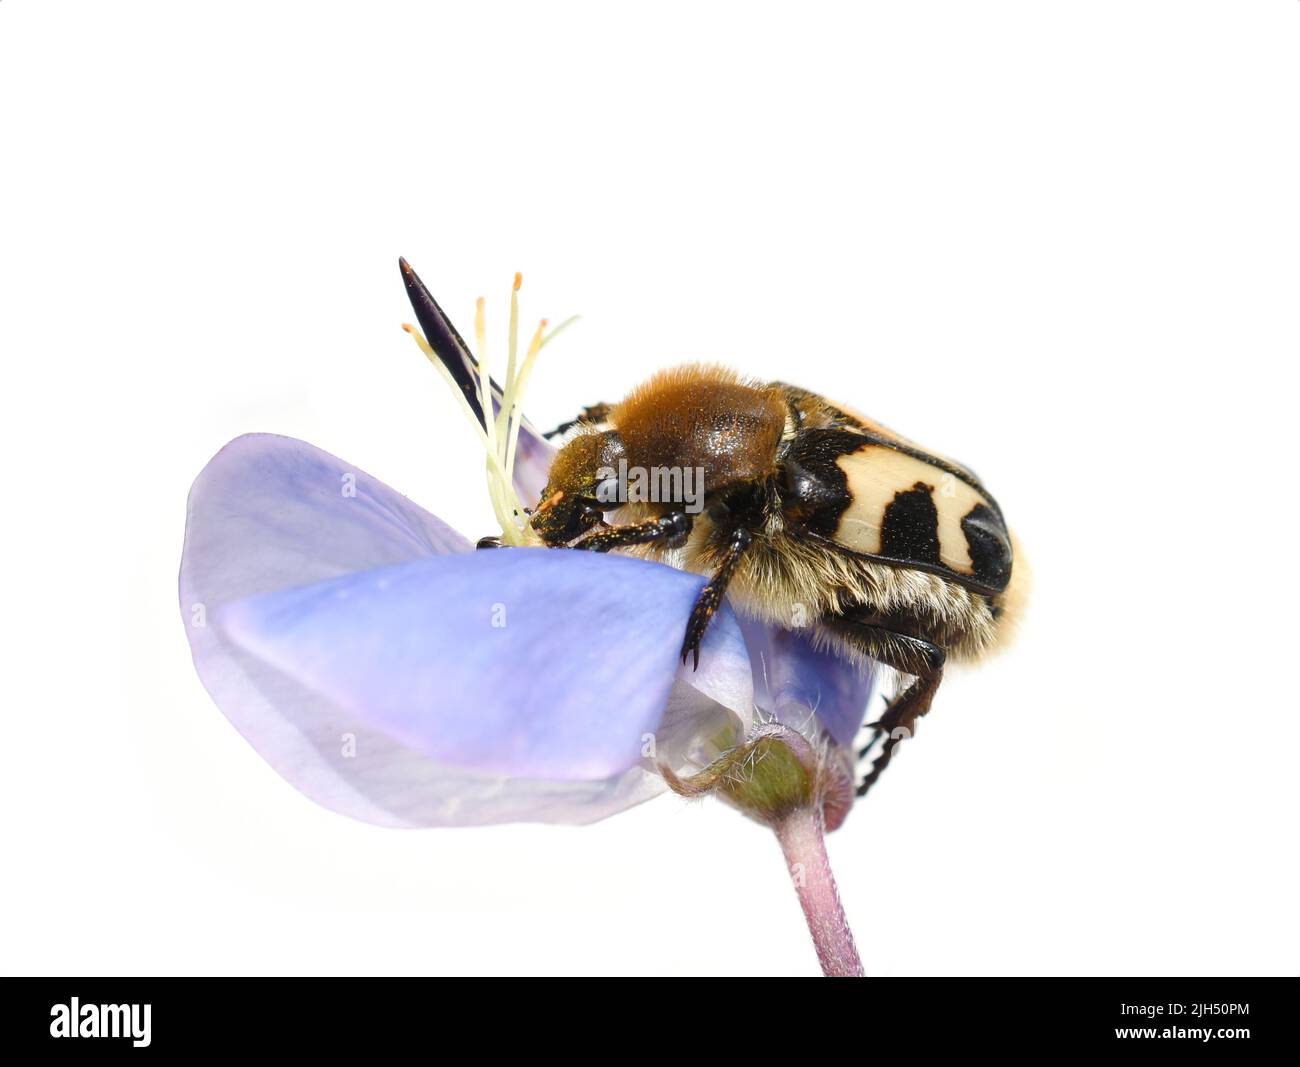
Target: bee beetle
x,y
808,514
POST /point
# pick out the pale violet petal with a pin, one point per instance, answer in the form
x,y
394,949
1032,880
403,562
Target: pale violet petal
x,y
529,662
270,512
801,685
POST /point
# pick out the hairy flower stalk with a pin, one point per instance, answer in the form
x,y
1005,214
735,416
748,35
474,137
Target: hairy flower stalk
x,y
803,841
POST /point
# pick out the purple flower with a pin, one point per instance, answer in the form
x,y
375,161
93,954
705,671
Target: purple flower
x,y
394,674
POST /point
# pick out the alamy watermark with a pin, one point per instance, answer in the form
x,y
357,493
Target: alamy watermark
x,y
75,1019
654,485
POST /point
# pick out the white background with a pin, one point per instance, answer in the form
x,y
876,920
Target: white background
x,y
1059,241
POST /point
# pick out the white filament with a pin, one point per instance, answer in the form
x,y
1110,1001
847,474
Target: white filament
x,y
500,435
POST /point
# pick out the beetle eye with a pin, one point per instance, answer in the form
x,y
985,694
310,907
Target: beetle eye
x,y
590,513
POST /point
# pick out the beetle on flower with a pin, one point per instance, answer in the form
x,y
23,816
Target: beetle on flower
x,y
358,643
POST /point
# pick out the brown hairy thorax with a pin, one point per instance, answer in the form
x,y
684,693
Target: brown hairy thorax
x,y
703,415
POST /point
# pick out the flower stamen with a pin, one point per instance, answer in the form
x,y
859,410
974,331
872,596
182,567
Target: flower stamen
x,y
499,431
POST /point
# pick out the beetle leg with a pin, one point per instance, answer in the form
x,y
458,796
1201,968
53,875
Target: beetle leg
x,y
594,413
711,595
878,727
671,528
923,660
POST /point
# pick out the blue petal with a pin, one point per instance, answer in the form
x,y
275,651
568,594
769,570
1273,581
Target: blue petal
x,y
530,662
270,512
800,684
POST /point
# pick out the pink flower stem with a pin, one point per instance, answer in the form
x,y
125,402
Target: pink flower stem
x,y
804,845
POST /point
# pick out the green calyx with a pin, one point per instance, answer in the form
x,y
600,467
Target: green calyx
x,y
767,777
770,781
